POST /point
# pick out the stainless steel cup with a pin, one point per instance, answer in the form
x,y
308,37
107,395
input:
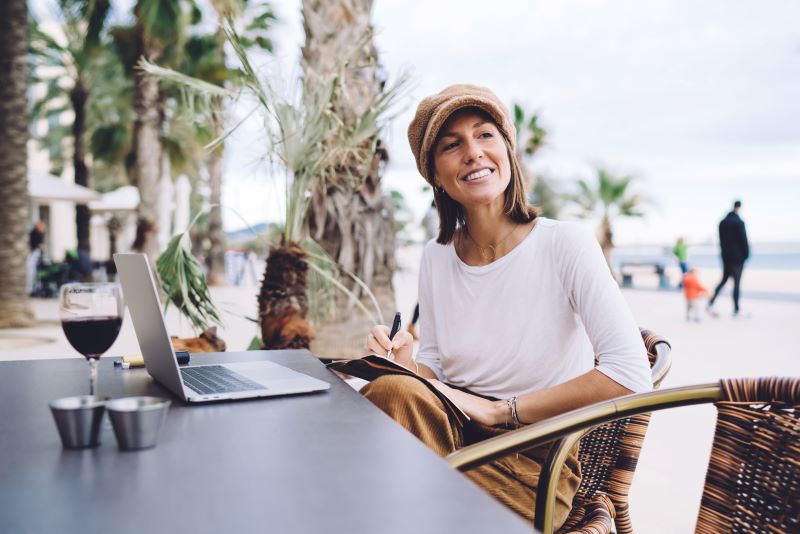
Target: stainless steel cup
x,y
78,420
137,421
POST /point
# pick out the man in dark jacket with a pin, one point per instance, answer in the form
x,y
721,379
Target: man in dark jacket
x,y
735,250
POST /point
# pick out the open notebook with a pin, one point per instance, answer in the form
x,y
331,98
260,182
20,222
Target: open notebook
x,y
371,367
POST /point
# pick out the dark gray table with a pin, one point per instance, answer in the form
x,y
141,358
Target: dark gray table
x,y
320,463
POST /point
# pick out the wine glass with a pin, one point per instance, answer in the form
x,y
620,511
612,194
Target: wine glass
x,y
91,316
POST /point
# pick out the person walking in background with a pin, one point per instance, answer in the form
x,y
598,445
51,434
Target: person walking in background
x,y
693,290
735,250
36,237
681,251
430,224
35,255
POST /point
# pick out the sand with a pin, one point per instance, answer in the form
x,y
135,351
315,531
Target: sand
x,y
666,491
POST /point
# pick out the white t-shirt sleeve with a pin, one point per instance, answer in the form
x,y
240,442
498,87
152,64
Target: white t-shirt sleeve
x,y
428,353
595,296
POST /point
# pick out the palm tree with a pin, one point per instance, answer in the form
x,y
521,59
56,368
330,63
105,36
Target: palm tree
x,y
111,114
72,71
531,136
312,145
610,199
352,219
200,56
205,60
14,202
320,150
159,24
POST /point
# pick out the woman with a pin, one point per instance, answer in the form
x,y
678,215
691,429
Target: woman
x,y
514,308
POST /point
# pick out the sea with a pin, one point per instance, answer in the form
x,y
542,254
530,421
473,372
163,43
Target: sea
x,y
785,257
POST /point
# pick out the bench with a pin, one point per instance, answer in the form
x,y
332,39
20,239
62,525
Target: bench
x,y
658,267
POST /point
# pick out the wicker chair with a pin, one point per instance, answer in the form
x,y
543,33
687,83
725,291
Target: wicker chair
x,y
608,456
753,477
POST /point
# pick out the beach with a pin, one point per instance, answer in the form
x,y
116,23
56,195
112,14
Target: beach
x,y
674,458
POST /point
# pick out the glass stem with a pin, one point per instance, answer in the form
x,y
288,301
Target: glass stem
x,y
92,376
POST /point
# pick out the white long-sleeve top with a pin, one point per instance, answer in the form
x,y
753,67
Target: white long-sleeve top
x,y
533,319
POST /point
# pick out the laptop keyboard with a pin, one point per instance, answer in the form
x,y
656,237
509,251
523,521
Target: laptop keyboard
x,y
210,379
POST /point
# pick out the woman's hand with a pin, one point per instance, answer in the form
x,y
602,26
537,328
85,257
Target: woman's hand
x,y
490,413
402,345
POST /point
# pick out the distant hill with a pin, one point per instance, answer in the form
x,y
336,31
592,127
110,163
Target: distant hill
x,y
241,236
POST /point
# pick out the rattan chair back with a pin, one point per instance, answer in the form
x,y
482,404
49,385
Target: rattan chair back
x,y
753,478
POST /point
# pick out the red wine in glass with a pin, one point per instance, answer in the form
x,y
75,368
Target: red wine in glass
x,y
91,316
92,336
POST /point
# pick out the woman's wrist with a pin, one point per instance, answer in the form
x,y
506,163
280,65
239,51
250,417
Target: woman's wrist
x,y
502,413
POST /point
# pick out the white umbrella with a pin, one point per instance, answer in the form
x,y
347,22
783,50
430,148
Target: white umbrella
x,y
125,198
43,188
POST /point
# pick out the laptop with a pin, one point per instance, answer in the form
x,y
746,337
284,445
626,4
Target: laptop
x,y
197,383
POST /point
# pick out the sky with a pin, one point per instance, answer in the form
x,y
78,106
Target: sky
x,y
700,101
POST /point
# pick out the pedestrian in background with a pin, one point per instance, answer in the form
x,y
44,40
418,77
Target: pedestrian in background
x,y
681,251
735,250
693,290
36,245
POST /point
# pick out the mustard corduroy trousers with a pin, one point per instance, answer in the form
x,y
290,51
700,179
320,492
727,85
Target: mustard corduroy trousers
x,y
511,480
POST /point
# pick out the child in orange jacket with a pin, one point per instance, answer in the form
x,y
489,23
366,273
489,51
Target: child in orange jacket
x,y
693,290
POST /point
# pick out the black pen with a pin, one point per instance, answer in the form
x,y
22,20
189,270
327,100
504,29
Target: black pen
x,y
395,329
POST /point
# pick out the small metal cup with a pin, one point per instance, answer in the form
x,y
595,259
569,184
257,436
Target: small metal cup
x,y
137,421
78,420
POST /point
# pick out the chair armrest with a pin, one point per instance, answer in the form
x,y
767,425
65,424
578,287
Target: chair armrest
x,y
589,416
662,364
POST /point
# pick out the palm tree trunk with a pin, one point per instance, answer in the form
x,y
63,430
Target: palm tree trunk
x,y
147,142
282,300
606,241
79,96
216,254
14,201
355,223
216,235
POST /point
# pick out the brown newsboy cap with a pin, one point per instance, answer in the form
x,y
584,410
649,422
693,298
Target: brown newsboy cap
x,y
434,110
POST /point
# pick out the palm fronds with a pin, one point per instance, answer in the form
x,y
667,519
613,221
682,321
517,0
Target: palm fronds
x,y
608,197
313,146
327,274
161,20
199,99
312,143
182,279
531,136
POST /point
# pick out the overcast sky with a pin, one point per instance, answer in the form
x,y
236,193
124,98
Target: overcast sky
x,y
699,100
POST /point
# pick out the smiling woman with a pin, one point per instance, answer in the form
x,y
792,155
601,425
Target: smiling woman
x,y
463,130
472,164
471,160
515,309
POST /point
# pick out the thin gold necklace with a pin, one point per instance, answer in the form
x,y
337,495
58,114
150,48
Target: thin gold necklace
x,y
489,252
